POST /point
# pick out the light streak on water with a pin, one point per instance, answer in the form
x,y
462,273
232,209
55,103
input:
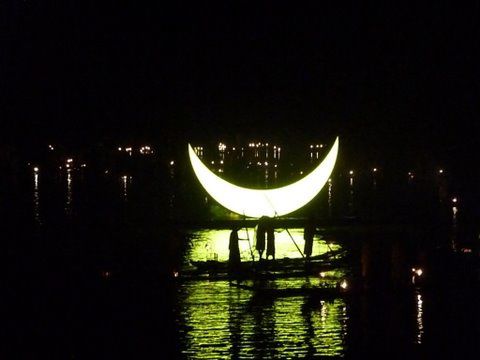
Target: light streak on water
x,y
330,188
419,337
69,197
351,197
126,181
36,199
454,228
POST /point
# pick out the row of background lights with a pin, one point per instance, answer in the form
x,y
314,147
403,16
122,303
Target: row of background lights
x,y
351,172
256,145
198,150
222,147
68,166
259,163
144,150
69,162
410,173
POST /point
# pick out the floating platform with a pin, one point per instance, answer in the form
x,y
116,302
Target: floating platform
x,y
265,269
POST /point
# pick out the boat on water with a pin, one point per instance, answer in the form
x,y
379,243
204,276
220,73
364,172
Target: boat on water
x,y
285,266
322,276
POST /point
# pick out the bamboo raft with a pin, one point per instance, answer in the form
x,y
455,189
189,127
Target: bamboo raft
x,y
265,269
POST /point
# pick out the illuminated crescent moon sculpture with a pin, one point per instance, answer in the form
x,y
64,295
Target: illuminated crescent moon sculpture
x,y
268,202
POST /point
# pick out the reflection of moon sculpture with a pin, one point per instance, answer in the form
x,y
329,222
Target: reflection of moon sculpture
x,y
269,202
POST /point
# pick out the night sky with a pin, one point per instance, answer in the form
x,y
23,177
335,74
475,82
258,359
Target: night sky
x,y
386,78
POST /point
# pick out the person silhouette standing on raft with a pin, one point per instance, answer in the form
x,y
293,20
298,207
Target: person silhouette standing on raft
x,y
270,239
260,236
308,234
234,255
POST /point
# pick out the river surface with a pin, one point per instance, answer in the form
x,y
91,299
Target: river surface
x,y
92,261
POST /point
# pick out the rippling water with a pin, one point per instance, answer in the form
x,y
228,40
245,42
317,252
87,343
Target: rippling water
x,y
92,265
217,320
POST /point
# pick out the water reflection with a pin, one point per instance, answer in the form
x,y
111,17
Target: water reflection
x,y
454,231
36,199
126,181
171,192
351,194
218,321
68,198
330,188
205,311
419,337
212,244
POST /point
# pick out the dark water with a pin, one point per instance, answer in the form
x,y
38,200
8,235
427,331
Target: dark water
x,y
91,259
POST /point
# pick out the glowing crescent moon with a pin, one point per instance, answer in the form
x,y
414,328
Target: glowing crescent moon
x,y
269,202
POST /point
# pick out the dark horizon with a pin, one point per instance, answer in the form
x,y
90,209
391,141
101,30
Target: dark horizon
x,y
395,83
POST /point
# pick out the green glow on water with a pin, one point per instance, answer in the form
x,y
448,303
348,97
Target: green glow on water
x,y
217,320
220,321
213,244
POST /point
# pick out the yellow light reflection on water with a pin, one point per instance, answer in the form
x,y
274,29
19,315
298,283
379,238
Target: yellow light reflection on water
x,y
419,336
330,187
68,197
219,321
126,180
212,244
36,199
302,331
